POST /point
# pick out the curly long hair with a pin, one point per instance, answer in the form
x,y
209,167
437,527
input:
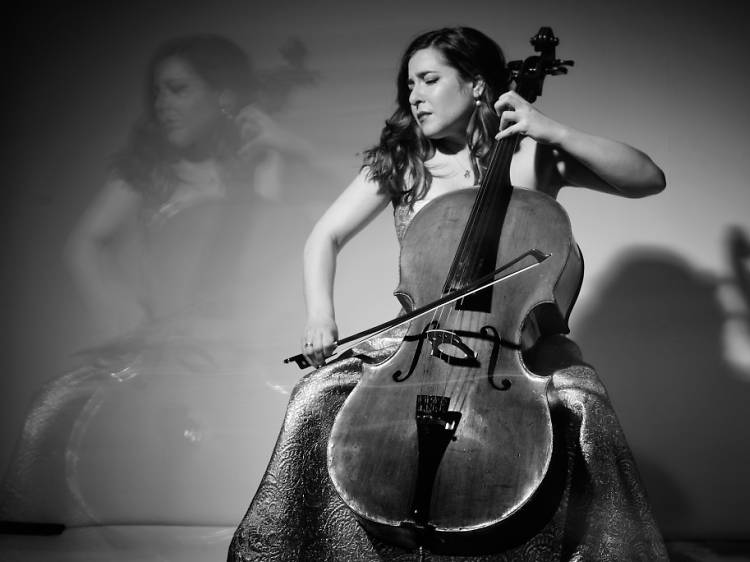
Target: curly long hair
x,y
146,161
397,162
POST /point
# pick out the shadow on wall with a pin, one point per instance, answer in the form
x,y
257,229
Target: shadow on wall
x,y
656,334
173,422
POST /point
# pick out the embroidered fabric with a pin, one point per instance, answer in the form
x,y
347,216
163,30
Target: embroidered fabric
x,y
596,508
593,506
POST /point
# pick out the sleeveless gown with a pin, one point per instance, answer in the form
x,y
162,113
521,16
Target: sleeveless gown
x,y
599,510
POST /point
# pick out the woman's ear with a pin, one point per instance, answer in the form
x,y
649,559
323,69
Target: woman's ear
x,y
478,88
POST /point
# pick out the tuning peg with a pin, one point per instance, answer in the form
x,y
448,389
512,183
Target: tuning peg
x,y
559,67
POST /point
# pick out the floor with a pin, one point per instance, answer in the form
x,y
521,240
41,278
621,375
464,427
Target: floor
x,y
166,543
709,551
128,543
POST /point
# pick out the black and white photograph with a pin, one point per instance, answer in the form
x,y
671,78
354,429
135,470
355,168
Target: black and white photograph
x,y
375,281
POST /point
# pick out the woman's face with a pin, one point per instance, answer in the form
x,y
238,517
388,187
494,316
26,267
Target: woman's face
x,y
186,107
441,100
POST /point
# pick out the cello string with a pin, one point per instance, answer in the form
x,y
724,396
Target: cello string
x,y
456,273
468,249
466,255
455,316
479,221
445,316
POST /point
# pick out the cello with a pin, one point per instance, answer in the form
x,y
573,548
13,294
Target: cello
x,y
451,435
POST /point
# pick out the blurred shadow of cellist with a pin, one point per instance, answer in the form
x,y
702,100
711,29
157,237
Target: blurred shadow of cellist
x,y
197,193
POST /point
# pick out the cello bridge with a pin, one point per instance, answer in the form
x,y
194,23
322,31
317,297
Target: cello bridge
x,y
449,347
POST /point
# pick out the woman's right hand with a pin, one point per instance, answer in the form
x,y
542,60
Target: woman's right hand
x,y
319,340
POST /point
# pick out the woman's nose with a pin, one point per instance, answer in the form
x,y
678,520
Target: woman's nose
x,y
158,103
161,101
415,96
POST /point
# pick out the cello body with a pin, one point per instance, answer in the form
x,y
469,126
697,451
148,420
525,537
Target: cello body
x,y
452,435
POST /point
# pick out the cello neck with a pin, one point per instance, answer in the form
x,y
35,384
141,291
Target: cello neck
x,y
477,249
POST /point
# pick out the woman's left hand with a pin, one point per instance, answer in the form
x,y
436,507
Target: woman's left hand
x,y
517,116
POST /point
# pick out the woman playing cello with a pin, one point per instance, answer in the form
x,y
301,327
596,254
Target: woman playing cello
x,y
453,102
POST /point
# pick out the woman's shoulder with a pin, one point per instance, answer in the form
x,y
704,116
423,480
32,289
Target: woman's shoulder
x,y
117,189
116,182
365,182
114,205
355,206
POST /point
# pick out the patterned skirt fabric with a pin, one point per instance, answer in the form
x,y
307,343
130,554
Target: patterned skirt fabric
x,y
591,506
